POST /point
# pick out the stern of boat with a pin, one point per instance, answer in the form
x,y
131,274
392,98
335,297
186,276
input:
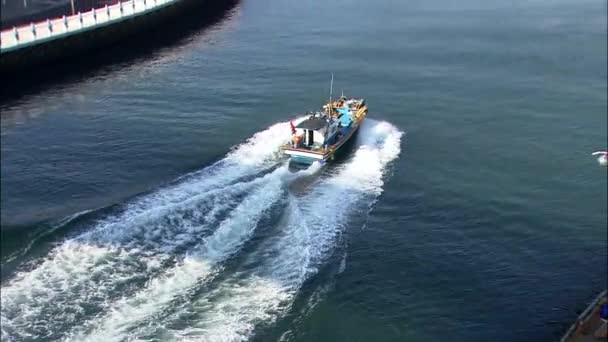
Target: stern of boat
x,y
303,156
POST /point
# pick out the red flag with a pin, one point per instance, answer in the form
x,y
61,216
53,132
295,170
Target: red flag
x,y
293,128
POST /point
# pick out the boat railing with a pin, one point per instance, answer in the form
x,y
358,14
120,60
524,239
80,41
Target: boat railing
x,y
584,317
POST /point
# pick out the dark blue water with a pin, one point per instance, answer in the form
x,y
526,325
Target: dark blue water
x,y
146,200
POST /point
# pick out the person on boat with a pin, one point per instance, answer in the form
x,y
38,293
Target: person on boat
x,y
295,140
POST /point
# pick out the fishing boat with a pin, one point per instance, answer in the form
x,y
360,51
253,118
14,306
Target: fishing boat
x,y
323,133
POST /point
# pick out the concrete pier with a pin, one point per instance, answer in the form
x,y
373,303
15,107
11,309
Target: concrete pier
x,y
50,29
52,39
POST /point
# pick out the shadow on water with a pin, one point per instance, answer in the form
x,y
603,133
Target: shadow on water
x,y
131,49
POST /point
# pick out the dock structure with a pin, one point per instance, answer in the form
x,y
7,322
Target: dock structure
x,y
52,29
50,43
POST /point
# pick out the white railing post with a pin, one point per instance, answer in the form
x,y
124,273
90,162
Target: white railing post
x,y
33,29
65,22
50,26
16,33
120,8
80,19
133,3
108,11
95,15
145,5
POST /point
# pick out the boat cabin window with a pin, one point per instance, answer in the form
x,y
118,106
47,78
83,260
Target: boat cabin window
x,y
310,138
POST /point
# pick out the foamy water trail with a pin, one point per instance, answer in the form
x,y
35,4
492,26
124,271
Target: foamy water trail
x,y
233,310
199,265
85,275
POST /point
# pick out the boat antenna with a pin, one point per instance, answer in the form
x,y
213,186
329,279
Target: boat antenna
x,y
342,93
331,88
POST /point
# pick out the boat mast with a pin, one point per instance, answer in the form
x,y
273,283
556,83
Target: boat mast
x,y
331,88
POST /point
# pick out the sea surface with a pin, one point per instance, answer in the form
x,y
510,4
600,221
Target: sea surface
x,y
145,200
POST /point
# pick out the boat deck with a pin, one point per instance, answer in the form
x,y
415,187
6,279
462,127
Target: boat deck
x,y
589,327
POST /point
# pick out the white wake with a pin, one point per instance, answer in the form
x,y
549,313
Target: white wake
x,y
120,280
84,276
232,311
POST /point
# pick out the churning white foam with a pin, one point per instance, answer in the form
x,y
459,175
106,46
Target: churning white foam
x,y
198,265
112,281
83,276
232,311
